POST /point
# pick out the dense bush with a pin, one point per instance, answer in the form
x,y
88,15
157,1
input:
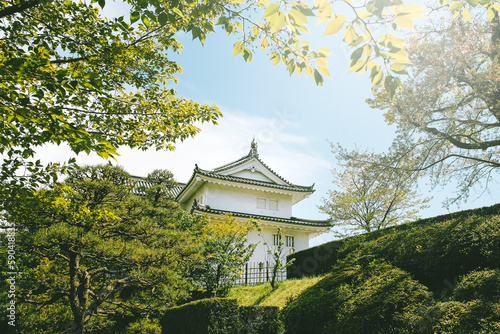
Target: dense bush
x,y
434,251
259,320
462,317
313,261
355,298
379,282
481,284
443,252
206,316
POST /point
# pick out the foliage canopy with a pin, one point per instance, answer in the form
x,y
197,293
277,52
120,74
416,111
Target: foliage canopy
x,y
95,256
370,196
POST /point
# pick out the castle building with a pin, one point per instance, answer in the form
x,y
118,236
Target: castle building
x,y
247,188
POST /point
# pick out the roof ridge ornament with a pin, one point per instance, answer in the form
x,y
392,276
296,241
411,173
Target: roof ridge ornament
x,y
253,148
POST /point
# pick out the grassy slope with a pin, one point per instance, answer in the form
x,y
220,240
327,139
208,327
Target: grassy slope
x,y
262,294
441,275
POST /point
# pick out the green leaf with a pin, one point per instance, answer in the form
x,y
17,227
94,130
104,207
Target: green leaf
x,y
134,16
391,84
335,24
102,3
275,57
247,55
178,12
356,55
146,21
162,19
318,78
271,10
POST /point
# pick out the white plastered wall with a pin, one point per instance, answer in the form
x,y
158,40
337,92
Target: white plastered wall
x,y
238,199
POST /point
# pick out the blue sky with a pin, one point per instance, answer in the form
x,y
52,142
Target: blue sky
x,y
291,118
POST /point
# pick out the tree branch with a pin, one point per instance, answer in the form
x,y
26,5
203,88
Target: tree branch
x,y
14,9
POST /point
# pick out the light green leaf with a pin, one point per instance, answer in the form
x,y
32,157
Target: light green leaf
x,y
397,68
298,17
324,13
454,6
271,10
350,35
275,57
146,21
178,12
325,51
134,16
324,71
238,48
277,22
404,21
336,24
490,14
466,14
264,43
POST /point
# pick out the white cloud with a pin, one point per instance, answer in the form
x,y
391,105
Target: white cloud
x,y
286,152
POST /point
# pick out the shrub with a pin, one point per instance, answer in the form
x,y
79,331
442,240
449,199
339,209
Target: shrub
x,y
259,320
464,317
376,298
482,284
205,316
313,261
431,250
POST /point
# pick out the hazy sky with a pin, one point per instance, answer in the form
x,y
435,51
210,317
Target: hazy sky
x,y
291,119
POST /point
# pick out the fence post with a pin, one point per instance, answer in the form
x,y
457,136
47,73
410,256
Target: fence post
x,y
267,271
246,273
260,271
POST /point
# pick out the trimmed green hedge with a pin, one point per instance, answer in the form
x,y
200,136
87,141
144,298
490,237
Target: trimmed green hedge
x,y
375,298
259,320
205,316
433,250
221,316
313,261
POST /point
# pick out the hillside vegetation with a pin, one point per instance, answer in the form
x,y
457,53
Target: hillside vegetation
x,y
439,275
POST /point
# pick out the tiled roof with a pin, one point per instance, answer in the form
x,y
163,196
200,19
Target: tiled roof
x,y
291,220
288,186
252,154
139,183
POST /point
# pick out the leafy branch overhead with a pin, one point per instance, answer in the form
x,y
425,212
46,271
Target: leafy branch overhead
x,y
72,76
284,27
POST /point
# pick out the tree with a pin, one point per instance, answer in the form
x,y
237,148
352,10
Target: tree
x,y
96,257
225,253
370,195
278,257
70,75
448,109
